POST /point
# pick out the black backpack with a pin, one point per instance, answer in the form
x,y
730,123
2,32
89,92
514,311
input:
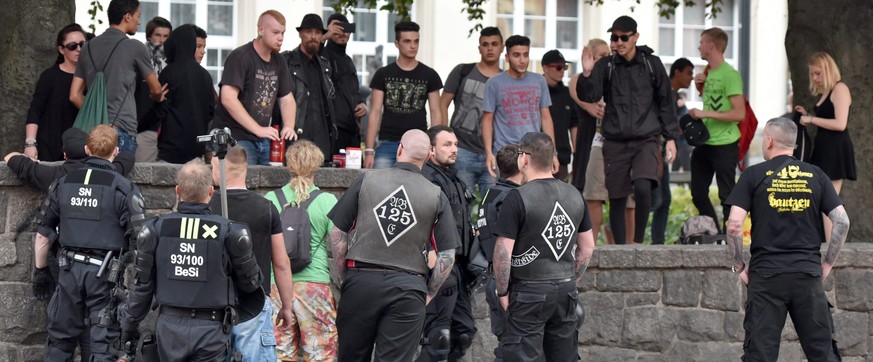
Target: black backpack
x,y
297,230
694,130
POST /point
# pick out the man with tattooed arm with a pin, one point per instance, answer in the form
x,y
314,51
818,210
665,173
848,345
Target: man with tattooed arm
x,y
394,245
786,198
544,244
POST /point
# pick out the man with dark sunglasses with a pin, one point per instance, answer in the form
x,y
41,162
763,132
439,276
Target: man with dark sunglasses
x,y
639,110
565,114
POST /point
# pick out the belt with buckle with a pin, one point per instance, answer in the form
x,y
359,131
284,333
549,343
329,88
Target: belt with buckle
x,y
207,314
553,281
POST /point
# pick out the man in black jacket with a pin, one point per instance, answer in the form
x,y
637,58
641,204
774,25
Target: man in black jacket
x,y
313,89
451,310
639,109
348,105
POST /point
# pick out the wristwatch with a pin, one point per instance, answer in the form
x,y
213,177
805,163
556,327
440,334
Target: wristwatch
x,y
740,270
29,143
501,295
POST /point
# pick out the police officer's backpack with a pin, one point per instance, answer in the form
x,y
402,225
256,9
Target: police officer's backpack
x,y
296,230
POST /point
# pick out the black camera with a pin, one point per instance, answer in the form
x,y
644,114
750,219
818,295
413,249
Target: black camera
x,y
218,141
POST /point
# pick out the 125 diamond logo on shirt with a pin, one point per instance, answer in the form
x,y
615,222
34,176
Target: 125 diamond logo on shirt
x,y
395,215
559,231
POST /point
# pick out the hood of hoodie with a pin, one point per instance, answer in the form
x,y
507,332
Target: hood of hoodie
x,y
181,44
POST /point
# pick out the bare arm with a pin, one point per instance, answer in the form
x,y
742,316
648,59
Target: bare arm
x,y
77,92
735,236
373,121
282,270
487,142
842,99
548,125
584,250
158,93
840,230
40,250
436,114
445,99
502,259
230,101
339,246
288,108
440,272
574,132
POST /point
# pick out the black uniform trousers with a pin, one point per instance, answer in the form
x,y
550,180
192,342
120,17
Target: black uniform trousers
x,y
797,294
541,322
73,311
381,307
496,314
191,339
451,309
707,161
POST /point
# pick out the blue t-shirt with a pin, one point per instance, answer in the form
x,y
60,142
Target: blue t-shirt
x,y
516,104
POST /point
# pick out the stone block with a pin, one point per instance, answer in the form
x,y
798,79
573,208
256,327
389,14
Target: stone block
x,y
851,333
33,353
790,352
587,281
18,265
157,197
597,353
705,256
22,318
788,331
9,352
854,289
710,352
8,256
603,319
616,256
649,329
641,299
4,204
700,325
7,177
854,255
268,177
336,177
22,206
628,281
659,256
682,287
163,174
733,327
142,173
721,290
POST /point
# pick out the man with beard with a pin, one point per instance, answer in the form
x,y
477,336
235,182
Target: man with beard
x,y
122,60
348,105
253,80
449,327
313,88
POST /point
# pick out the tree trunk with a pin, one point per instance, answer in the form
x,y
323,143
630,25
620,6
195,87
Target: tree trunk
x,y
837,27
28,35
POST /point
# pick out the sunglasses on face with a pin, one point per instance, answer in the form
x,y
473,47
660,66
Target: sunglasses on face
x,y
623,38
74,46
520,152
558,67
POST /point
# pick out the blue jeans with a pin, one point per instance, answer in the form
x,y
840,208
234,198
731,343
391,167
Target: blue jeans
x,y
126,141
257,152
386,154
254,338
472,171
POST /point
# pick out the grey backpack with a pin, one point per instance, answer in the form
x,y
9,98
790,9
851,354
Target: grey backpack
x,y
297,230
700,229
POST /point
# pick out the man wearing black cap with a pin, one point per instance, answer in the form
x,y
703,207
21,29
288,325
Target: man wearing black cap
x,y
565,116
348,105
639,110
313,88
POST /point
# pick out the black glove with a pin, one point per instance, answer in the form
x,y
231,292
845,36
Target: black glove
x,y
43,283
127,336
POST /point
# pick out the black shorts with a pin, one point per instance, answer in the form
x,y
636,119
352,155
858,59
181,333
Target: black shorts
x,y
630,160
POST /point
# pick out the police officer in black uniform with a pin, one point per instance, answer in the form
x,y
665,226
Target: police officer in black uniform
x,y
96,211
510,178
449,327
195,264
787,198
399,250
544,243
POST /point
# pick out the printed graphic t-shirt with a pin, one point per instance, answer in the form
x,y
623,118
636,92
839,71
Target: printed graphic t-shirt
x,y
469,96
260,83
721,84
405,96
516,105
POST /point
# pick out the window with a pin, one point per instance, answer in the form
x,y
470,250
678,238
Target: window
x,y
679,36
550,24
217,17
373,29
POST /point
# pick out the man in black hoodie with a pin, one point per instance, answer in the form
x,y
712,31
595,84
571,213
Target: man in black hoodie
x,y
639,110
348,105
190,102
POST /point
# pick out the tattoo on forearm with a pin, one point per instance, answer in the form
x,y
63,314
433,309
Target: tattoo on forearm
x,y
339,248
735,241
838,234
502,258
441,271
581,263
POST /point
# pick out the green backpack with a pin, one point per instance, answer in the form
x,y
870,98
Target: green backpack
x,y
93,112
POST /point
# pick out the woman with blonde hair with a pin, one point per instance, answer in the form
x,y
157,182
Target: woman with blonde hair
x,y
313,328
832,148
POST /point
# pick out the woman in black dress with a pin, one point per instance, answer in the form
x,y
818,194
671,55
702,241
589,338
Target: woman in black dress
x,y
832,149
51,112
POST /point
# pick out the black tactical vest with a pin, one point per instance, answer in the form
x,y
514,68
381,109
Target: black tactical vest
x,y
192,268
90,215
487,221
546,245
396,213
459,199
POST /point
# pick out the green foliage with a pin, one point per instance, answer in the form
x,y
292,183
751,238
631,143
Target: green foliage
x,y
95,8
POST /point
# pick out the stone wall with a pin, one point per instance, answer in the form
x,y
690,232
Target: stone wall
x,y
643,303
